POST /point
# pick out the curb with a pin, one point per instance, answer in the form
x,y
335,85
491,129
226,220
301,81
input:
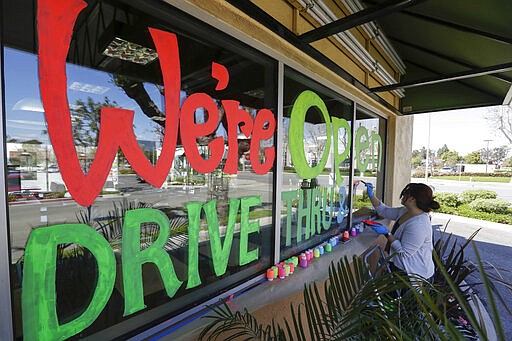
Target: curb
x,y
36,201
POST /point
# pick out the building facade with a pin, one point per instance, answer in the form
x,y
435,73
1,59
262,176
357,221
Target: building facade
x,y
161,155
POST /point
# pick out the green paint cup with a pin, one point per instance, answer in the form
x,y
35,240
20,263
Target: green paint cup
x,y
276,270
287,268
295,260
316,253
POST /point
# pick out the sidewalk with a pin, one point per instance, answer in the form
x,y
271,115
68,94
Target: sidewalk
x,y
471,221
494,244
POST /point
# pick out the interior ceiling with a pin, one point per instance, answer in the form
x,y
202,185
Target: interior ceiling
x,y
101,21
457,53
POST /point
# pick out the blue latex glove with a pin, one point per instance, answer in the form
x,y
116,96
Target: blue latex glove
x,y
369,189
380,229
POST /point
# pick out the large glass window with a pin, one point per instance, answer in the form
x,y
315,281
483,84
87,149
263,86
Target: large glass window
x,y
369,155
315,197
140,164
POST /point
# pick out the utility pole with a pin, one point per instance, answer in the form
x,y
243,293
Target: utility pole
x,y
487,155
46,167
428,150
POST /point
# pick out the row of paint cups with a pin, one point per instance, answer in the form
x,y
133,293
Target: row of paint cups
x,y
283,269
286,268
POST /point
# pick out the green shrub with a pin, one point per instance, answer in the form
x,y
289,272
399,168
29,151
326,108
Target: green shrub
x,y
420,173
466,211
55,195
361,201
448,199
498,206
496,174
471,195
447,210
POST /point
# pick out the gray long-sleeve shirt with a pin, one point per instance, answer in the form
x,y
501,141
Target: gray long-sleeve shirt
x,y
413,247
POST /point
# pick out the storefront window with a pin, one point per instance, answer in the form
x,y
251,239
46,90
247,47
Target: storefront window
x,y
369,155
140,164
315,197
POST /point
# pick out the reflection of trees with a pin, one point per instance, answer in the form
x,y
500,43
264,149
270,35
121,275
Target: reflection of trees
x,y
285,150
316,139
343,140
85,117
218,189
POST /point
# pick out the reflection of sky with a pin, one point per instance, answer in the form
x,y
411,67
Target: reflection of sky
x,y
21,86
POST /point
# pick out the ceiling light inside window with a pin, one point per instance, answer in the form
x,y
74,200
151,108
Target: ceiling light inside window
x,y
132,52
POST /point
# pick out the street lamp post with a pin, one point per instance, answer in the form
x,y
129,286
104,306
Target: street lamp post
x,y
428,151
487,155
46,167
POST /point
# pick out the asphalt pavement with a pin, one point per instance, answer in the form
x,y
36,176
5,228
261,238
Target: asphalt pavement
x,y
503,190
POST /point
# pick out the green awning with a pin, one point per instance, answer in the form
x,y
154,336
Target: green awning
x,y
440,40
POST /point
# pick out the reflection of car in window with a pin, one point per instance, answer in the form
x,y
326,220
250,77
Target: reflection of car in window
x,y
446,170
14,182
23,195
53,169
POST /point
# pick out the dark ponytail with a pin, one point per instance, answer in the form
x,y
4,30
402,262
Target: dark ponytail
x,y
435,205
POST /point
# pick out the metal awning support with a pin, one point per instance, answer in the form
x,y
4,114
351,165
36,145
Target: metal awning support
x,y
356,19
447,78
476,88
508,97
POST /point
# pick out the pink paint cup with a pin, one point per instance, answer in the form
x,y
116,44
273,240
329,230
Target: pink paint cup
x,y
282,273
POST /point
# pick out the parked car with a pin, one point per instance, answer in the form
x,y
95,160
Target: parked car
x,y
53,169
446,170
13,182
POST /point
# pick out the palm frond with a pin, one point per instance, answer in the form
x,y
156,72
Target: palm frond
x,y
228,325
354,305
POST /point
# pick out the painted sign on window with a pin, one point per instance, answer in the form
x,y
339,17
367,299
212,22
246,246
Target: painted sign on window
x,y
316,207
55,22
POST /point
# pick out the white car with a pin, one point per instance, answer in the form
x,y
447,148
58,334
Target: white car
x,y
53,169
446,170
